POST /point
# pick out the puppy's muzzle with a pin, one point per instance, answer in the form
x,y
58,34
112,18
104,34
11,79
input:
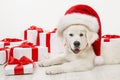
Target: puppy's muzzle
x,y
76,43
76,47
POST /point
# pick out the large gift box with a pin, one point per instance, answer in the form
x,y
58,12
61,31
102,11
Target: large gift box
x,y
19,66
32,34
10,42
27,49
3,55
51,40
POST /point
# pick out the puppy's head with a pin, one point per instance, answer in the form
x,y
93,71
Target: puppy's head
x,y
77,38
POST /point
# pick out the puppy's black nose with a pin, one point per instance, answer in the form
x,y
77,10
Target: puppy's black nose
x,y
76,43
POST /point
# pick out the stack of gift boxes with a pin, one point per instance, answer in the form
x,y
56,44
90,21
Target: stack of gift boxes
x,y
19,56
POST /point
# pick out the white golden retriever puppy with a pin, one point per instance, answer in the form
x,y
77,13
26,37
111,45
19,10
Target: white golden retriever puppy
x,y
79,54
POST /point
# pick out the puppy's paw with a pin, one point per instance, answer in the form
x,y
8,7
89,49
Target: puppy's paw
x,y
54,70
44,63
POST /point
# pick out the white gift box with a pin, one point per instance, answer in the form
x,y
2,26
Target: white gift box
x,y
3,56
31,34
15,66
51,41
111,45
12,70
36,53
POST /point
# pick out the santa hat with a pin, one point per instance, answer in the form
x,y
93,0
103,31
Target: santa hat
x,y
83,14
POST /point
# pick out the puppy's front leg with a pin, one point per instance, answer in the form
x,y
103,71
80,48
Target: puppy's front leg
x,y
52,61
69,67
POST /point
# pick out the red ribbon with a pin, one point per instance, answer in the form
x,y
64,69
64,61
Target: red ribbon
x,y
4,49
19,64
11,39
108,37
8,40
39,30
48,36
27,45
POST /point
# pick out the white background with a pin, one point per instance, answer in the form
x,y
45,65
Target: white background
x,y
18,15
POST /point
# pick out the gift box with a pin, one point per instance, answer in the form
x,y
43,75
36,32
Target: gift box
x,y
19,66
51,40
32,34
10,42
27,49
111,42
3,55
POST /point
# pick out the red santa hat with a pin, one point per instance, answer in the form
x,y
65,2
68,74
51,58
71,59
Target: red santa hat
x,y
83,14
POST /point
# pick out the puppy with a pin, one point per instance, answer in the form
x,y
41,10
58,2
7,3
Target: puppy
x,y
79,54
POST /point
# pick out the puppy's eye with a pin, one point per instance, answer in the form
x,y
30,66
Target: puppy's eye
x,y
81,35
71,34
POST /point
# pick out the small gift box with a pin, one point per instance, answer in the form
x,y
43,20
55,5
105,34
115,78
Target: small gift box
x,y
3,55
10,42
51,40
27,49
111,42
19,66
32,34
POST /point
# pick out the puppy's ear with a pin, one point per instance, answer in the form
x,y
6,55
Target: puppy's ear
x,y
91,37
62,39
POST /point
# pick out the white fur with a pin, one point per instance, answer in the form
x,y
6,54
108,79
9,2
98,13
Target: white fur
x,y
84,60
78,18
99,60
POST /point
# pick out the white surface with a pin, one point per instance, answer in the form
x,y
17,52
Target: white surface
x,y
18,15
106,72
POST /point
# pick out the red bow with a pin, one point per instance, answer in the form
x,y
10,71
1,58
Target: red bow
x,y
26,45
8,40
111,36
22,61
35,28
11,40
2,49
19,67
55,29
108,37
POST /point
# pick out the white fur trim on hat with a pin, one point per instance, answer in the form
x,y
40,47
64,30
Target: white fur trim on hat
x,y
78,18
